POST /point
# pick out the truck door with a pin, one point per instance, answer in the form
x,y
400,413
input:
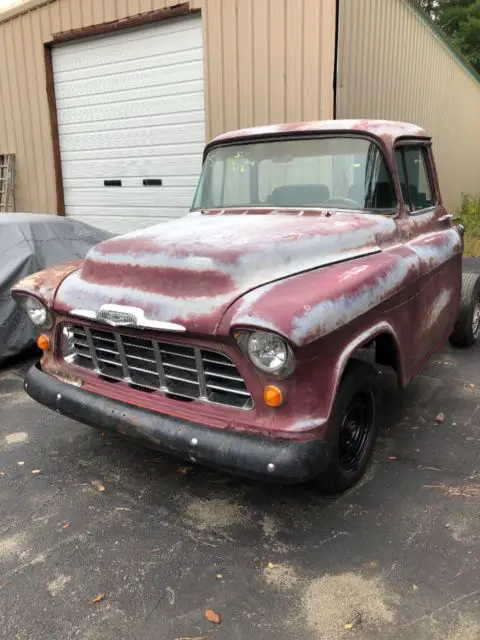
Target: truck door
x,y
428,231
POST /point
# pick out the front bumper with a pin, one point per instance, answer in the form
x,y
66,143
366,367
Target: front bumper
x,y
271,459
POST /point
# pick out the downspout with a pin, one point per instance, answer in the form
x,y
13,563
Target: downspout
x,y
336,56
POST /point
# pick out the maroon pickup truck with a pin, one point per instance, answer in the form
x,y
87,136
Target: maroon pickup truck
x,y
231,337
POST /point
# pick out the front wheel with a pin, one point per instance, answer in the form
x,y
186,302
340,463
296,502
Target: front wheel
x,y
467,327
352,429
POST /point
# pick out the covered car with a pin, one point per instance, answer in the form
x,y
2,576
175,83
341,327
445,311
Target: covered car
x,y
31,242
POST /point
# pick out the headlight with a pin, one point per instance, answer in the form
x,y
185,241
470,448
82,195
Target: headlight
x,y
267,351
36,311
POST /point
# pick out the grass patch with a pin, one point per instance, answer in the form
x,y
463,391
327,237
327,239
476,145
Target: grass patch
x,y
468,214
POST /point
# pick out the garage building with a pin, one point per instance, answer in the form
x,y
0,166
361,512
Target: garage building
x,y
107,104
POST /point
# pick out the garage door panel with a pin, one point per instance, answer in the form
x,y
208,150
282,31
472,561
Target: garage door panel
x,y
130,106
76,62
155,166
124,212
179,70
175,197
162,120
131,139
171,166
129,183
126,40
135,85
152,63
134,154
181,102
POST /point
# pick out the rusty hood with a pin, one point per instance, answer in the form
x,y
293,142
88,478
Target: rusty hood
x,y
191,270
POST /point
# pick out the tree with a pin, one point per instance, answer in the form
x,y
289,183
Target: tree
x,y
460,21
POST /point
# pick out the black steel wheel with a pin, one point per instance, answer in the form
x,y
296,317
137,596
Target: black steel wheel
x,y
356,431
352,429
467,327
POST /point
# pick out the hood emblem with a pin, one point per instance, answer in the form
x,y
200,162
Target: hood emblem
x,y
115,316
119,315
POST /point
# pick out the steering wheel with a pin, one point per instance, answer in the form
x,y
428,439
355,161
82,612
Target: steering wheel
x,y
341,201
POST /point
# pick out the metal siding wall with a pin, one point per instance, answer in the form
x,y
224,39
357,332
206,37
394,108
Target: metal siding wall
x,y
393,66
266,61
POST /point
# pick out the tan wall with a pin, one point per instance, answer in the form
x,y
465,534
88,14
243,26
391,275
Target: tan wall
x,y
393,66
266,61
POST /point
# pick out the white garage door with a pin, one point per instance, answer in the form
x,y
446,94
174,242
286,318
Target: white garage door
x,y
131,124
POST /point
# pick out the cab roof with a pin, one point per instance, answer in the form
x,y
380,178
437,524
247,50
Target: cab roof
x,y
388,131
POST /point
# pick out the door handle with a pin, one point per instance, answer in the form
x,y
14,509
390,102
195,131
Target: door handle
x,y
446,218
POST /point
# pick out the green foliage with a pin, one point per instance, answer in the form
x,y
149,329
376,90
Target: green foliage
x,y
460,21
468,214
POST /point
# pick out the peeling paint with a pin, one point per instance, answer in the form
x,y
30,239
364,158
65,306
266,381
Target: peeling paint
x,y
330,314
182,275
381,128
440,304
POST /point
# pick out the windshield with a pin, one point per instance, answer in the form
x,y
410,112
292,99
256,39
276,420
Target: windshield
x,y
339,172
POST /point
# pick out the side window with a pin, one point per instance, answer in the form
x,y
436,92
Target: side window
x,y
401,175
378,186
414,177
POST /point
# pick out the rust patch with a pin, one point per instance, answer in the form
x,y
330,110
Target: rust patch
x,y
44,283
175,283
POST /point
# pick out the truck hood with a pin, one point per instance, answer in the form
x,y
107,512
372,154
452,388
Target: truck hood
x,y
189,271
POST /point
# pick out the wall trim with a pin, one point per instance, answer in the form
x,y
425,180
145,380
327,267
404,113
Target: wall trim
x,y
52,110
130,22
336,58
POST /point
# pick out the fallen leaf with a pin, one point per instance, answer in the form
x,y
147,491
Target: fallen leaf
x,y
98,486
65,525
35,472
182,471
99,598
270,565
467,491
440,418
212,617
356,623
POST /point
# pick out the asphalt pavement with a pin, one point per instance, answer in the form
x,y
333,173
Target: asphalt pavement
x,y
102,539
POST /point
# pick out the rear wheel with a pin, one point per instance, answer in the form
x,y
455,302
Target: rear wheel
x,y
352,429
467,327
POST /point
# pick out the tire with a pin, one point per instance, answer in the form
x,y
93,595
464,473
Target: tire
x,y
467,327
357,398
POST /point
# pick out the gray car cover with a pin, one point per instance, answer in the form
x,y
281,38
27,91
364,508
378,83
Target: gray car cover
x,y
30,243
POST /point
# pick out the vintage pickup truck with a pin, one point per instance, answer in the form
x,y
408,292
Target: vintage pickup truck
x,y
231,337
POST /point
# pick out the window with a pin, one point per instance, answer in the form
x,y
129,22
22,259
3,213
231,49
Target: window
x,y
414,177
335,172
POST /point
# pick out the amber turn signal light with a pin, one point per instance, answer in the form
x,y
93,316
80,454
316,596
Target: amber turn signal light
x,y
43,342
273,396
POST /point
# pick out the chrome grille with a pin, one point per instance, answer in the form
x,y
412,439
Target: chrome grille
x,y
179,371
